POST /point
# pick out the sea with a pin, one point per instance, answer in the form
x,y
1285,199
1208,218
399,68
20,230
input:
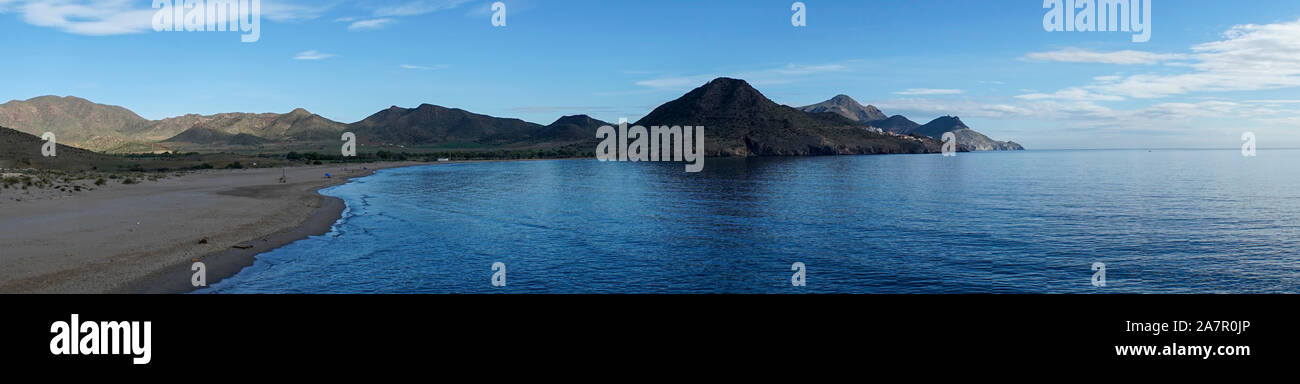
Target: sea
x,y
1067,221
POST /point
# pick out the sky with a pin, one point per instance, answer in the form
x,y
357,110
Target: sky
x,y
1211,71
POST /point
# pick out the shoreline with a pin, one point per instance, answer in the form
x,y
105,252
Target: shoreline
x,y
227,263
223,264
143,238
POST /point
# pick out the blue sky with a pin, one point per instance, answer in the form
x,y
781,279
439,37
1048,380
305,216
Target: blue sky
x,y
1211,71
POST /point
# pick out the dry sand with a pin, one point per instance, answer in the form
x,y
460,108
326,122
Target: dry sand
x,y
143,238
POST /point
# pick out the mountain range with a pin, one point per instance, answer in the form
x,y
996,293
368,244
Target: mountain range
x,y
967,138
429,125
738,120
107,128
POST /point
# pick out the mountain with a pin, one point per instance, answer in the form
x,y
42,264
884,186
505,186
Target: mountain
x,y
433,125
895,124
740,121
201,136
22,150
77,122
575,128
976,141
966,136
85,124
844,105
252,129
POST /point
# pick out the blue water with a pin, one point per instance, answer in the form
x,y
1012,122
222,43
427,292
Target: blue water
x,y
1002,222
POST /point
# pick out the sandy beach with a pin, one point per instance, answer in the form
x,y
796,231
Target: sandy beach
x,y
143,238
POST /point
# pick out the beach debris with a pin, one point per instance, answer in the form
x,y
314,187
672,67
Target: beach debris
x,y
204,240
243,246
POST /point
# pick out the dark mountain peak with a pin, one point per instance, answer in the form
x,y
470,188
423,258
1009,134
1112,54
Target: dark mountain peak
x,y
300,112
431,107
211,136
430,124
728,87
727,82
895,124
952,122
720,97
937,127
740,121
575,128
581,120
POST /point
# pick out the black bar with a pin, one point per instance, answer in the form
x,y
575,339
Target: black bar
x,y
355,331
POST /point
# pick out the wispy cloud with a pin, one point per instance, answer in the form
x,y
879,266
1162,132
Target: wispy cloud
x,y
1273,101
777,75
1127,57
1076,94
313,55
675,82
294,11
929,92
422,67
121,17
362,25
417,7
85,17
966,108
1249,58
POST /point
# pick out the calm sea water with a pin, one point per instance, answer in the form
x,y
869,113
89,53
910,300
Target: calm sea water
x,y
1001,222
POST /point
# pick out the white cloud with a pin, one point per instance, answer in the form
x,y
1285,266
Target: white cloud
x,y
417,7
313,55
676,82
291,11
965,108
86,17
778,75
422,67
1248,58
1127,57
1076,94
1273,101
121,17
369,24
929,92
801,70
